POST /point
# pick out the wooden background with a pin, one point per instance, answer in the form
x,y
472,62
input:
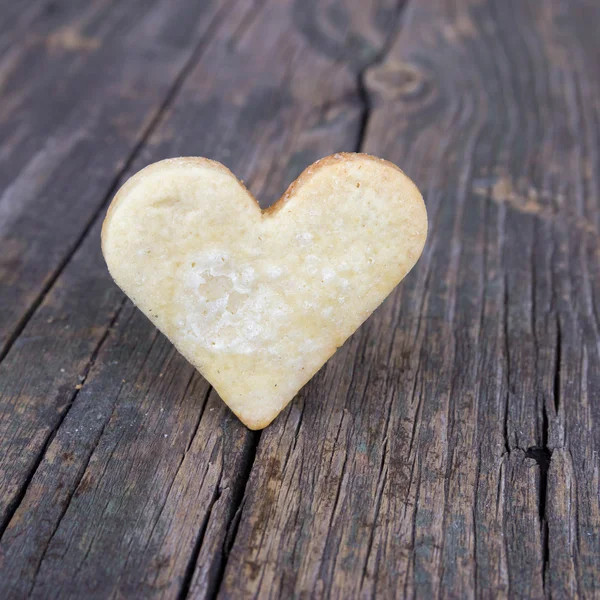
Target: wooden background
x,y
450,448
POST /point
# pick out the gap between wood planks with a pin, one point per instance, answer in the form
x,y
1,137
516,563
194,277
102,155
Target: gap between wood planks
x,y
154,122
233,525
365,98
146,134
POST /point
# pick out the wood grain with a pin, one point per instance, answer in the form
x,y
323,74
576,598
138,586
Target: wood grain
x,y
142,501
78,94
73,319
449,449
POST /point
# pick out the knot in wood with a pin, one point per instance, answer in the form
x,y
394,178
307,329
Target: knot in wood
x,y
400,81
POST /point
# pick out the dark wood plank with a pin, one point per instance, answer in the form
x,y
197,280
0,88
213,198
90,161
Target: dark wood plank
x,y
39,392
78,95
39,377
40,380
124,509
140,457
450,449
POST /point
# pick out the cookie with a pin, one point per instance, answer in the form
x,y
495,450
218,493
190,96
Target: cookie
x,y
259,300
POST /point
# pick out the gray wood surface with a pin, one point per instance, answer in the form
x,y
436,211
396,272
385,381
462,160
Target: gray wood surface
x,y
450,448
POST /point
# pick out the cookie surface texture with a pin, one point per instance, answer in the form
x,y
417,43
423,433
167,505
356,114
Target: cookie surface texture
x,y
259,300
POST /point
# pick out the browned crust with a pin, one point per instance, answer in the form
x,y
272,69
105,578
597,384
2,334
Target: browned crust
x,y
303,178
326,161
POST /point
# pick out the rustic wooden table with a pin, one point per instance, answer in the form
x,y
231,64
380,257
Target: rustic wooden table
x,y
450,448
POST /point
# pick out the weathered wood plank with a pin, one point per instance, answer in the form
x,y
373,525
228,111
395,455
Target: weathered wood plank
x,y
152,481
39,381
140,454
40,392
416,463
129,511
451,447
78,95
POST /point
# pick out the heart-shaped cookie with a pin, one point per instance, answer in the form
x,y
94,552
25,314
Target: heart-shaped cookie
x,y
259,300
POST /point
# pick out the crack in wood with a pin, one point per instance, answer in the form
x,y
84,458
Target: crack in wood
x,y
382,475
297,430
70,496
557,366
499,502
361,86
333,515
542,456
360,134
12,509
507,444
381,483
191,566
232,527
413,535
201,412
